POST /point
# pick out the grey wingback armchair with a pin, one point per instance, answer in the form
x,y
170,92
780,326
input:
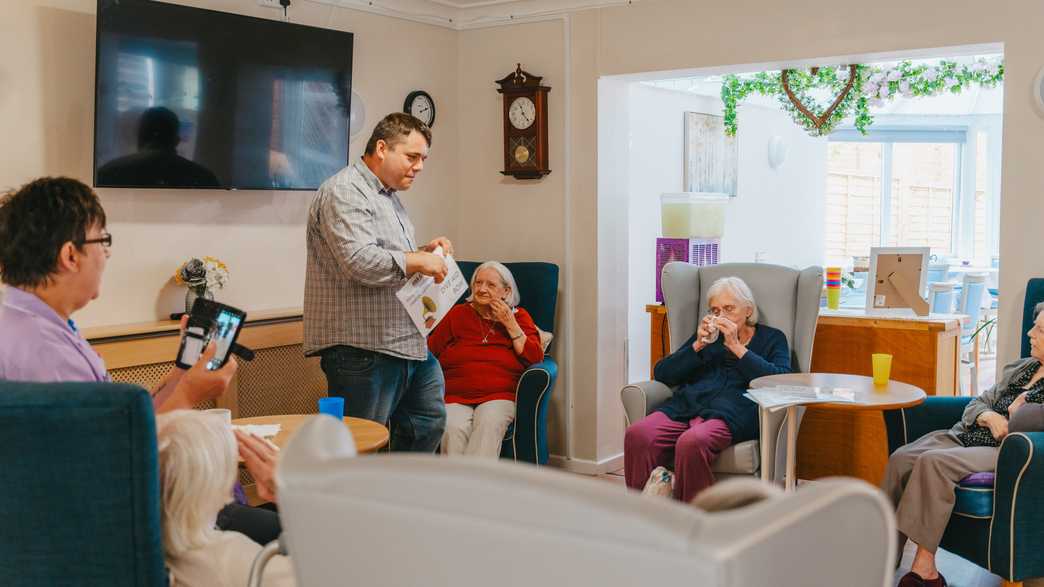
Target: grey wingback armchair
x,y
787,299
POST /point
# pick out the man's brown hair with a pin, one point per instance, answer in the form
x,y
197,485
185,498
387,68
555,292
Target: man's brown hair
x,y
394,128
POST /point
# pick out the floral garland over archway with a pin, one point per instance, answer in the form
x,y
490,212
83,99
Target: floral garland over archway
x,y
871,87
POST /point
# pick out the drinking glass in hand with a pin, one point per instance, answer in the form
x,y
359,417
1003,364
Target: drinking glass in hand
x,y
712,326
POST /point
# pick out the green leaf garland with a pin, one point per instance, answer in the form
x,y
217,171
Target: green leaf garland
x,y
873,85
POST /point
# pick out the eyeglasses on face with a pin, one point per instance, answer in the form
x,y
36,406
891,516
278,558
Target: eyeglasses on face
x,y
105,240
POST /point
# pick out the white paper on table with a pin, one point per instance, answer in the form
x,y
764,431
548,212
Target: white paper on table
x,y
260,430
427,302
783,396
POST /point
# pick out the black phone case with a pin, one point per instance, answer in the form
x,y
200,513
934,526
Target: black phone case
x,y
203,315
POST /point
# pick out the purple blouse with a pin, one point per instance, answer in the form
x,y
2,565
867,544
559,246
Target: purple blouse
x,y
36,344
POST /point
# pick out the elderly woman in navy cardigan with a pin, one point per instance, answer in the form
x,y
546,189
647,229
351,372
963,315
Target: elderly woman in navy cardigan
x,y
710,374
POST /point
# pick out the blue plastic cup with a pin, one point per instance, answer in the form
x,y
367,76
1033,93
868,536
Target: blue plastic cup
x,y
333,406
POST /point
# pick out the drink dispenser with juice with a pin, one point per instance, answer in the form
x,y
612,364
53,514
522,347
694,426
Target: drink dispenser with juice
x,y
688,215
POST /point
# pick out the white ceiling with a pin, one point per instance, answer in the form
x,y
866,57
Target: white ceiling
x,y
470,14
476,3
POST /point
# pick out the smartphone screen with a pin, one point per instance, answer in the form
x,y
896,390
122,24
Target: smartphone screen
x,y
226,327
209,321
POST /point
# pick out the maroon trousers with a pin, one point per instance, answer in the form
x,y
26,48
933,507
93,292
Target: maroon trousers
x,y
690,447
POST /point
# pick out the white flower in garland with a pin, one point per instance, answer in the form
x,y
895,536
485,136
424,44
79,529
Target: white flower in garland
x,y
992,70
877,78
884,91
931,74
904,89
951,82
870,89
894,75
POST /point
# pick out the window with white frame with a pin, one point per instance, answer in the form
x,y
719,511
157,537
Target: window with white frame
x,y
906,187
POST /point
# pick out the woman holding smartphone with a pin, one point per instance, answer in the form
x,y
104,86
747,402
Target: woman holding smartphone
x,y
709,374
484,345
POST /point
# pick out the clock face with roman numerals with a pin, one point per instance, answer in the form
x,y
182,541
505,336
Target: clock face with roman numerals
x,y
522,113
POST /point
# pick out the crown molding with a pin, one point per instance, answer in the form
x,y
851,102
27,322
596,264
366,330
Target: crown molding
x,y
462,15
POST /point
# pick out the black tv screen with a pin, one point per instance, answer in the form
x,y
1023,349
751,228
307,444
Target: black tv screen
x,y
193,98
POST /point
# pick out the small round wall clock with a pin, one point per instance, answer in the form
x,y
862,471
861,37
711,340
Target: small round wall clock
x,y
420,105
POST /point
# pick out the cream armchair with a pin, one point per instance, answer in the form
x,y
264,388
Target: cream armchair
x,y
787,299
397,519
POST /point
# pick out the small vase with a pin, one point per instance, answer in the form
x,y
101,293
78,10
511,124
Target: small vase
x,y
192,294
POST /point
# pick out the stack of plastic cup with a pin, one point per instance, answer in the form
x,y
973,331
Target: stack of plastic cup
x,y
833,285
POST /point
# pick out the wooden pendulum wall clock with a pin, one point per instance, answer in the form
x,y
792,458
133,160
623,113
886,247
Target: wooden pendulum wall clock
x,y
525,125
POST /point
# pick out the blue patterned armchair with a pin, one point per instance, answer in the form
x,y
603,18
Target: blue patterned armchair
x,y
996,526
526,438
80,503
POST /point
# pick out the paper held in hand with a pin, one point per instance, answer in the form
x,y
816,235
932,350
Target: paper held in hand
x,y
782,396
428,302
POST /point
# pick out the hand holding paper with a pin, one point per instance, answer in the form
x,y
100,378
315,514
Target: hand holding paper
x,y
437,243
427,300
425,264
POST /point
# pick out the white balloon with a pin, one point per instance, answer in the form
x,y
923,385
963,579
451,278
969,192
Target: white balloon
x,y
357,116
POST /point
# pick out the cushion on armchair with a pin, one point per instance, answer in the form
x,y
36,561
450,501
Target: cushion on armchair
x,y
739,459
545,339
1028,418
975,496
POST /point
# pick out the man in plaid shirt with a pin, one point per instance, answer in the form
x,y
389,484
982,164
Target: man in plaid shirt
x,y
361,250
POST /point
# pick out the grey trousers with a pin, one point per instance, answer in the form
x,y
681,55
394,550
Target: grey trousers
x,y
921,478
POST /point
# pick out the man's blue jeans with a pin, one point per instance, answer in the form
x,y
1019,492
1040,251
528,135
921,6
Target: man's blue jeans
x,y
407,396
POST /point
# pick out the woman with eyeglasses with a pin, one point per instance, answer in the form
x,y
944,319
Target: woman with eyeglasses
x,y
707,411
54,248
922,477
483,346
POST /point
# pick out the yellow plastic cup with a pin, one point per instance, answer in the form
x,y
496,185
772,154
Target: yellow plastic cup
x,y
833,298
882,363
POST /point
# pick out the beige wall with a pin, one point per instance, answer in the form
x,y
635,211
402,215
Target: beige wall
x,y
46,101
501,217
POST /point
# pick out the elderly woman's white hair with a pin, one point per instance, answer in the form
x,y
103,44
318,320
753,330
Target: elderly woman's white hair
x,y
505,277
739,290
198,464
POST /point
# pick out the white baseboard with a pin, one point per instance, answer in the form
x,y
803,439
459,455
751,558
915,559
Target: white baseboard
x,y
587,467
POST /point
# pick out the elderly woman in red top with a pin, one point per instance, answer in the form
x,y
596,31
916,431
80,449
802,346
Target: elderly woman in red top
x,y
484,345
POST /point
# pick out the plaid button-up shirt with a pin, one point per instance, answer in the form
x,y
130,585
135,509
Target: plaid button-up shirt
x,y
358,237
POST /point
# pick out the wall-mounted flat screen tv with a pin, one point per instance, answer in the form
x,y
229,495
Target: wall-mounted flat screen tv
x,y
193,98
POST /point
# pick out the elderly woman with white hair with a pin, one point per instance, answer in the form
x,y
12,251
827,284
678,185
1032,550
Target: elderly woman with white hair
x,y
484,345
710,374
198,465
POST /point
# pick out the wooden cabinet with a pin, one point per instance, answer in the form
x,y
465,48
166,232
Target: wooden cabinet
x,y
924,353
280,379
